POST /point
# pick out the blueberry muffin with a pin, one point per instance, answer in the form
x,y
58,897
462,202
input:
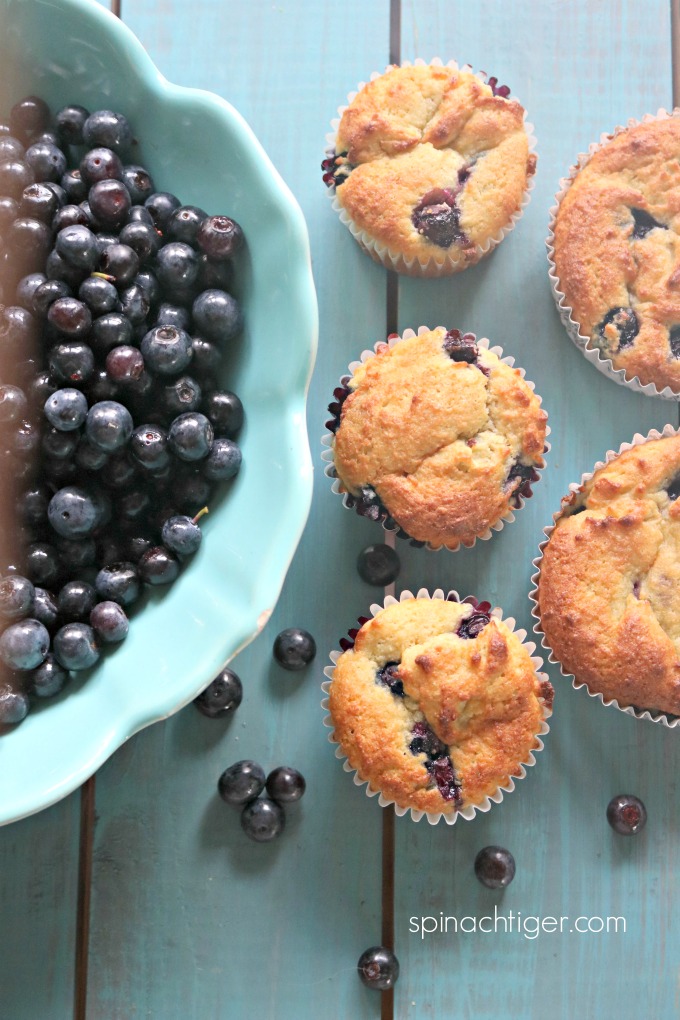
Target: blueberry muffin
x,y
617,251
437,436
430,165
437,704
609,585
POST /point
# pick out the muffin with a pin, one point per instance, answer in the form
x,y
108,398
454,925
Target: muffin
x,y
437,436
608,592
430,167
617,252
437,704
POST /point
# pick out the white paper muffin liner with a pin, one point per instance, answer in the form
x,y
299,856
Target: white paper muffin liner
x,y
439,264
652,715
339,490
592,353
469,812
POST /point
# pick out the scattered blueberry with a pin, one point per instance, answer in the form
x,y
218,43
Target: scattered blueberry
x,y
378,968
495,867
24,645
14,705
285,784
294,648
222,696
378,565
241,782
626,814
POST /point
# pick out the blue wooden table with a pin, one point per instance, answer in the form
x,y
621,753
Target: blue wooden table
x,y
141,898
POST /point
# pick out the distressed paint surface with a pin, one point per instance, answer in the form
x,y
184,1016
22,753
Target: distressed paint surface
x,y
189,919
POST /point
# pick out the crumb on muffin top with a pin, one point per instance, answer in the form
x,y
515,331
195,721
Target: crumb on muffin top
x,y
617,251
437,704
431,163
443,432
609,585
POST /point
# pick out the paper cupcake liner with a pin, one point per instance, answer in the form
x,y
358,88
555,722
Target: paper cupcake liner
x,y
445,264
652,715
468,813
591,353
388,524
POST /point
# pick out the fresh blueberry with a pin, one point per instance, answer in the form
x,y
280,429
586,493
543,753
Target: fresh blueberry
x,y
109,129
190,436
219,237
184,223
241,782
149,446
182,395
99,295
181,535
66,409
24,645
48,679
118,582
125,365
161,205
378,968
166,350
176,265
495,867
71,361
29,116
73,512
217,315
100,164
47,162
43,565
262,820
139,183
121,262
222,696
17,596
223,460
109,621
158,566
75,646
294,648
142,238
110,203
14,706
225,412
39,202
378,565
78,245
75,601
13,404
285,784
626,814
109,425
70,123
15,175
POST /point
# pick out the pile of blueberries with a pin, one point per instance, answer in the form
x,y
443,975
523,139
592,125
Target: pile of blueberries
x,y
115,309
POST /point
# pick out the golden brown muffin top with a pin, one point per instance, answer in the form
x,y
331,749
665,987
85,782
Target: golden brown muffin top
x,y
435,163
609,586
447,445
617,251
437,705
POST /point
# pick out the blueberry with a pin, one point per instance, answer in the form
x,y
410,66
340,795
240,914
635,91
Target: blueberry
x,y
47,162
241,782
109,621
121,262
378,565
29,239
285,784
75,601
17,595
24,645
626,814
158,566
181,535
206,359
437,217
110,203
495,867
48,679
78,245
125,364
142,238
75,646
190,436
109,425
15,175
112,329
109,129
73,512
182,395
619,328
294,648
29,116
262,820
13,404
100,164
166,350
139,183
219,237
217,315
473,625
70,316
39,202
149,446
14,706
643,222
161,206
118,582
222,696
10,148
43,566
99,295
223,460
76,553
378,968
389,676
70,123
184,223
460,346
224,411
66,409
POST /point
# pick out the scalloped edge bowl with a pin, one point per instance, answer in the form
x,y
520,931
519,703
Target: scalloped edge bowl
x,y
196,145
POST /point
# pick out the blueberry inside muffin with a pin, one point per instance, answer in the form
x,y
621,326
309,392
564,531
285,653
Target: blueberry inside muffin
x,y
437,436
437,704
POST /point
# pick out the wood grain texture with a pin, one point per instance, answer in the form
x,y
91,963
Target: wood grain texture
x,y
38,889
189,918
572,67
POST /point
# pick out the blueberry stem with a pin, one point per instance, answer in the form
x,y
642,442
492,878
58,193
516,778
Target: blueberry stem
x,y
201,513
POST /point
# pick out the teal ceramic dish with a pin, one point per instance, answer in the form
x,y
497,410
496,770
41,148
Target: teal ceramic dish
x,y
200,148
